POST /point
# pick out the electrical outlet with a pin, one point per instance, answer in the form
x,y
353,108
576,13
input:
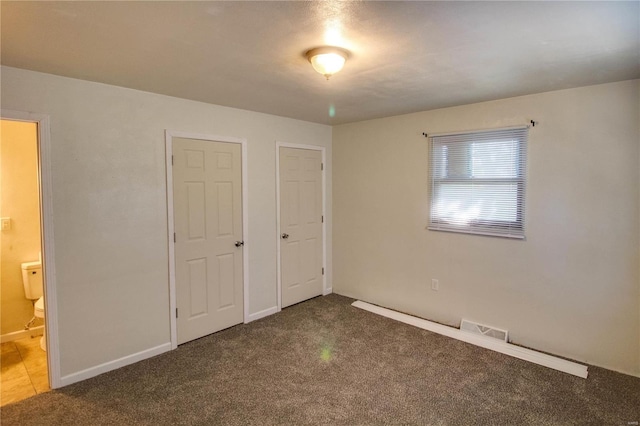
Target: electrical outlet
x,y
435,284
6,223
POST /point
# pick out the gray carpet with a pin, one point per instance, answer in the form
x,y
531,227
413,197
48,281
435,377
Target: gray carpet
x,y
326,362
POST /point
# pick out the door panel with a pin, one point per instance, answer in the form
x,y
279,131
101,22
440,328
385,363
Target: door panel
x,y
207,193
301,255
197,286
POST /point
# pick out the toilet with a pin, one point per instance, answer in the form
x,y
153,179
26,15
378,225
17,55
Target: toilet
x,y
33,284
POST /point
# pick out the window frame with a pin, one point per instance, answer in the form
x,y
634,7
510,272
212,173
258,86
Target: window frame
x,y
501,228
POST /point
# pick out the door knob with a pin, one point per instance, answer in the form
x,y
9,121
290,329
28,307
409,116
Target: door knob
x,y
239,243
285,236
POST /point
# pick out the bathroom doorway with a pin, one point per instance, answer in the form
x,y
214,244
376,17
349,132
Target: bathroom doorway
x,y
24,360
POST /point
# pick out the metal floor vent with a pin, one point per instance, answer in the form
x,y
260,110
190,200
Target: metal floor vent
x,y
485,330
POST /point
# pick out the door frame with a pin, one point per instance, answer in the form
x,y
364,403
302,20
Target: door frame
x,y
46,227
323,150
169,135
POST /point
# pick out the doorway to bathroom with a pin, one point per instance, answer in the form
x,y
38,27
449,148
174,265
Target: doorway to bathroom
x,y
24,356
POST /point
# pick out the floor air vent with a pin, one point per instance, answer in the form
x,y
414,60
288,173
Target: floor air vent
x,y
485,330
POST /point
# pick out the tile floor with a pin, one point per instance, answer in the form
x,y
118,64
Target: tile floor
x,y
23,370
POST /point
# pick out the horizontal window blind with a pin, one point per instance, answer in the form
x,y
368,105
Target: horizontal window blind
x,y
478,182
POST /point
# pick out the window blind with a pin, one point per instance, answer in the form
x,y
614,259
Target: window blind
x,y
478,182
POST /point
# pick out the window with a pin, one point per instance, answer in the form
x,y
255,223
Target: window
x,y
478,182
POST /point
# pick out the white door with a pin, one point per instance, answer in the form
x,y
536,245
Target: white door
x,y
301,245
207,204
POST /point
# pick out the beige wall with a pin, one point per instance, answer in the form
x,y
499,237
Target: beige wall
x,y
19,200
571,288
110,212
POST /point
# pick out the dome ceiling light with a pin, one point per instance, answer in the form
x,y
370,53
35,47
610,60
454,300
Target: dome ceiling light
x,y
327,60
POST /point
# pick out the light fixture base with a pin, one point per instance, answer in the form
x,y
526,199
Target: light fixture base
x,y
327,60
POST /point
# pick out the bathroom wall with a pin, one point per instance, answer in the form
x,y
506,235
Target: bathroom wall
x,y
19,200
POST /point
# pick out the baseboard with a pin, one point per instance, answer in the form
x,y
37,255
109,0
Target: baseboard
x,y
617,370
478,340
16,335
262,314
113,365
327,291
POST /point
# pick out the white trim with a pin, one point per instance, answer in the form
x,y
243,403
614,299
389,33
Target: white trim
x,y
17,335
46,225
278,256
170,229
488,234
482,341
245,229
115,364
262,314
169,135
325,290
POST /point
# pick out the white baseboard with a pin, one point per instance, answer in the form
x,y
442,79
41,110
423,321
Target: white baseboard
x,y
113,365
327,291
262,314
478,340
617,370
16,335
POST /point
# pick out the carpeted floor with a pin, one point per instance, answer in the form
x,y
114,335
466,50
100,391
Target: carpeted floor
x,y
326,362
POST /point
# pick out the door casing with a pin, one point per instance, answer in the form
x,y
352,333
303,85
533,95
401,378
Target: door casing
x,y
46,226
169,135
279,145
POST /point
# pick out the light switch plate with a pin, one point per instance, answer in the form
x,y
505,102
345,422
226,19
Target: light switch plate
x,y
6,223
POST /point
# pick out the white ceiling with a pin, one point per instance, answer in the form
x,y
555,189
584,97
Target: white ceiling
x,y
406,56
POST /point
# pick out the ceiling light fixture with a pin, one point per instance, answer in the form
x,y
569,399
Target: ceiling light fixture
x,y
327,60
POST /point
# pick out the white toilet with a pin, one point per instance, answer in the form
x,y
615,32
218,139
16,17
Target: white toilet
x,y
32,280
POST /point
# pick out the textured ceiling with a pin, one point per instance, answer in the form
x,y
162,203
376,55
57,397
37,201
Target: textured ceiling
x,y
406,56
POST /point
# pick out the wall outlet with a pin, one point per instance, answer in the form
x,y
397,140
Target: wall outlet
x,y
6,223
435,284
